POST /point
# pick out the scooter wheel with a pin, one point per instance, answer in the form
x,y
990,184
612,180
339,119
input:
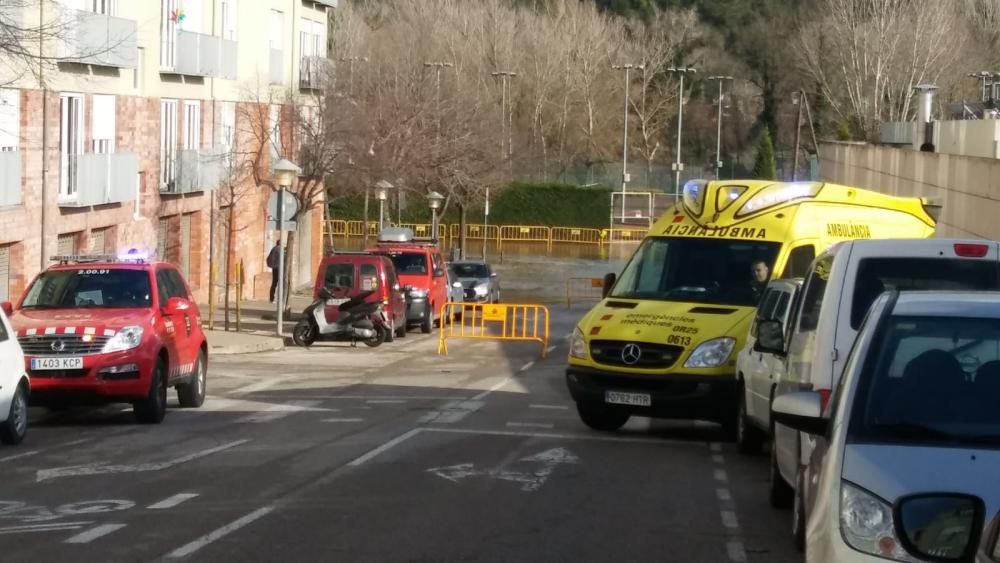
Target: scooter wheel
x,y
303,334
378,339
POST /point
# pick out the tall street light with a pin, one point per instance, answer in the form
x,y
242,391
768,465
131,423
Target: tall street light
x,y
434,200
382,189
438,66
718,134
506,120
680,121
285,174
625,176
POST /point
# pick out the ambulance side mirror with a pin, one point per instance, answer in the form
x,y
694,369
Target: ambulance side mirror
x,y
609,280
8,308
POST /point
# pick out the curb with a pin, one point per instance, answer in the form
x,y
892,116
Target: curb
x,y
269,345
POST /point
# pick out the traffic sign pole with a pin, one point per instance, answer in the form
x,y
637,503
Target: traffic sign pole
x,y
280,222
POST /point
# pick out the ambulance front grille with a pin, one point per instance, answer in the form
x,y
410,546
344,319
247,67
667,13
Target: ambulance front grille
x,y
62,344
651,356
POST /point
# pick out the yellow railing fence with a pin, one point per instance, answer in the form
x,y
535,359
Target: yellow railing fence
x,y
525,233
627,235
499,322
578,235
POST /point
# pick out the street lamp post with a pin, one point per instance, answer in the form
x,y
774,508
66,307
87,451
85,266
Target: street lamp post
x,y
678,166
625,176
506,117
434,200
285,174
381,194
718,134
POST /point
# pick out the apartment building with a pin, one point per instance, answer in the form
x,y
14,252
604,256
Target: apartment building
x,y
127,141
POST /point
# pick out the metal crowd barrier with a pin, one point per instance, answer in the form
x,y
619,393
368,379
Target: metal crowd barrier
x,y
502,322
573,234
583,289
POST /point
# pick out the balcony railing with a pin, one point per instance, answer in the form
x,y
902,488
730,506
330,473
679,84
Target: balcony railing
x,y
101,179
198,54
277,68
10,178
198,171
99,39
314,72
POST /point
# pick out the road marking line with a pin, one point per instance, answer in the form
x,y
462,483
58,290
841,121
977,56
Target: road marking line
x,y
222,532
279,411
729,519
172,501
724,495
382,397
451,412
385,401
527,366
94,533
550,407
19,456
343,420
736,552
77,442
98,469
718,458
51,527
496,387
385,447
592,438
259,386
529,425
549,349
720,475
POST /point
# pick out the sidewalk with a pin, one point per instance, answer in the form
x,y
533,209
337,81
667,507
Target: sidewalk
x,y
225,343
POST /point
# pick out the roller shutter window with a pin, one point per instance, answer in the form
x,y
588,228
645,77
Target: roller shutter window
x,y
66,244
4,273
98,241
161,239
186,245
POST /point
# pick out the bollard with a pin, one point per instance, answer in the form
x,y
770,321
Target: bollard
x,y
239,291
211,297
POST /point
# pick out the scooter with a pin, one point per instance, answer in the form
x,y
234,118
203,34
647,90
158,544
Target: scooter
x,y
357,320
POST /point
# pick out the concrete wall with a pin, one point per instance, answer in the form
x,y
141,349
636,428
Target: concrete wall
x,y
967,187
973,137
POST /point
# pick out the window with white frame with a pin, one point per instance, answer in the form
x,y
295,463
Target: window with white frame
x,y
168,142
169,14
70,142
229,12
312,38
192,125
276,30
102,124
10,120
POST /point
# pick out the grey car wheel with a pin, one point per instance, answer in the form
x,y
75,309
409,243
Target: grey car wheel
x,y
15,428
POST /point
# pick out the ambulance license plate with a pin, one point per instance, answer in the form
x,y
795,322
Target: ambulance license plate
x,y
43,364
619,398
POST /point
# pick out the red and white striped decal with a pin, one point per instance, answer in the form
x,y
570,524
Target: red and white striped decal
x,y
91,330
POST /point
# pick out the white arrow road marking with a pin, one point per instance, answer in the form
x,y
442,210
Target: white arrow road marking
x,y
276,412
94,533
97,469
530,480
172,501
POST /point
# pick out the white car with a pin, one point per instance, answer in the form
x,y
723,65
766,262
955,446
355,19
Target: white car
x,y
14,385
907,453
760,372
839,289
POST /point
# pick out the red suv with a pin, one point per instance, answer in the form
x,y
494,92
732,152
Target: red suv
x,y
421,271
99,329
348,274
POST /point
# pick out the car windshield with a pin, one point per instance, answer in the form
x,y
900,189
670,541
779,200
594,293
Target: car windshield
x,y
934,380
98,287
409,263
471,270
696,270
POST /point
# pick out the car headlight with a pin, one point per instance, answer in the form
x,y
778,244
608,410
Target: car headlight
x,y
577,345
711,353
418,293
126,339
867,526
482,289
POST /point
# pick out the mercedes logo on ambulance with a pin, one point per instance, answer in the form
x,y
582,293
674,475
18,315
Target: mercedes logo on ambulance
x,y
58,345
631,354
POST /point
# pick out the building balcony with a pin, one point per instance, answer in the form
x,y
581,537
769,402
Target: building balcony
x,y
99,39
197,171
10,178
100,179
276,71
198,54
314,72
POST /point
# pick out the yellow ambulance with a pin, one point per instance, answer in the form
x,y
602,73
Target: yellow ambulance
x,y
663,341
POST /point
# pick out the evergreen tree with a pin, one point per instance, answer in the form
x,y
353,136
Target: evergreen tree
x,y
764,167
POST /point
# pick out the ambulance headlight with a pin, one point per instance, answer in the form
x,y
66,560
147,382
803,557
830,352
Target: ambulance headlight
x,y
577,345
712,353
126,339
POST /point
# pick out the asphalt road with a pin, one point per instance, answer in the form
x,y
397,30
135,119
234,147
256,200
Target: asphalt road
x,y
391,454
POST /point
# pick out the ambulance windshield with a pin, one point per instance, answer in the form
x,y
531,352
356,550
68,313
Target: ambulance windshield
x,y
698,270
98,287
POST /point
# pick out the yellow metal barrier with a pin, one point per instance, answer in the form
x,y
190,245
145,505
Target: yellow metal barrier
x,y
336,228
423,230
357,228
504,322
583,289
573,234
627,235
474,231
525,233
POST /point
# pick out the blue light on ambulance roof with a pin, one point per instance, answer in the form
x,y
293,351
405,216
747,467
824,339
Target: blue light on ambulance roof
x,y
777,194
134,254
693,194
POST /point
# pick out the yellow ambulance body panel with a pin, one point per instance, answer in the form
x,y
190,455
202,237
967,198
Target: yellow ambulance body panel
x,y
664,340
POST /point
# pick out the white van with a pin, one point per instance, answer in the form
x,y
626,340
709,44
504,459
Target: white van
x,y
840,286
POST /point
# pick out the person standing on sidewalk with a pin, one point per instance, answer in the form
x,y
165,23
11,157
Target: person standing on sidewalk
x,y
272,262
